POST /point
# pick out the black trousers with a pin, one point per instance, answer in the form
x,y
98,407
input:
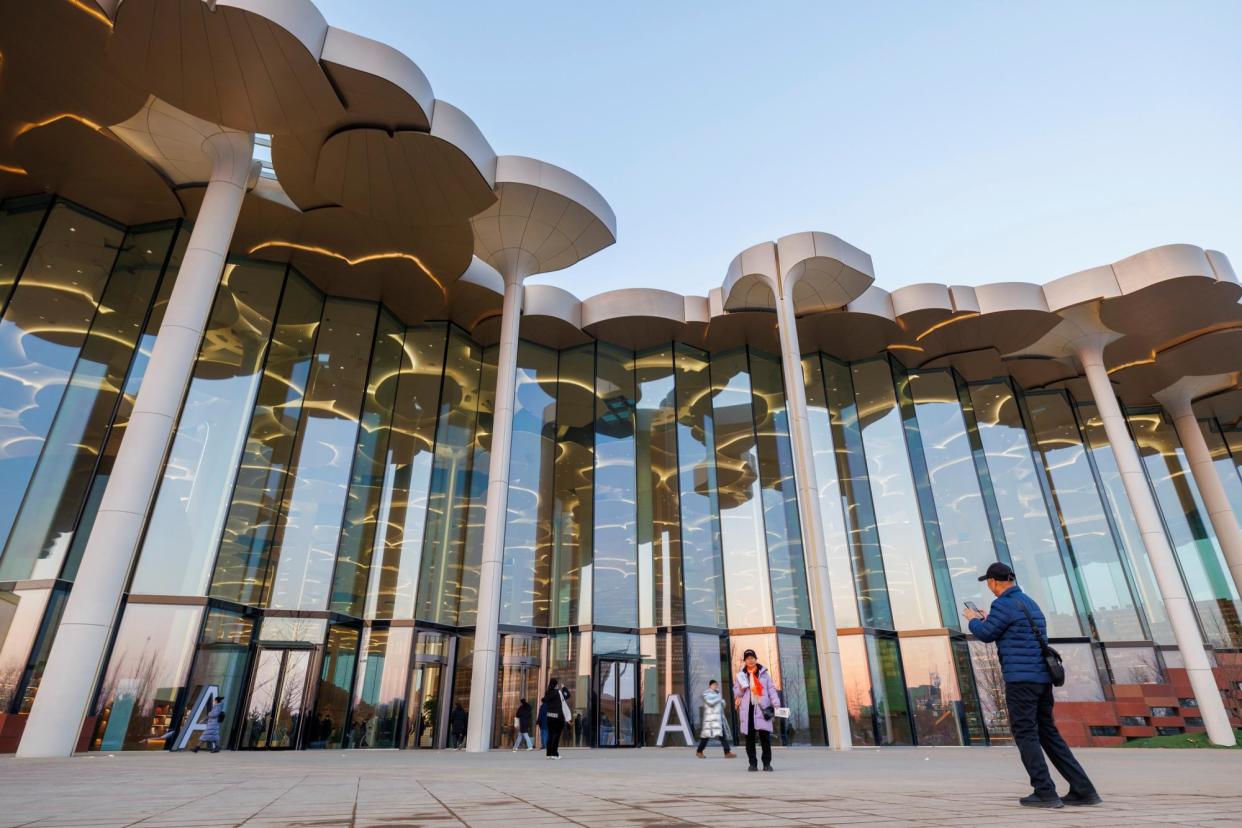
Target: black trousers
x,y
724,743
1035,733
555,726
765,741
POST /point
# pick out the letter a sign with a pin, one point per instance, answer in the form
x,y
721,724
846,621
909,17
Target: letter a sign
x,y
196,721
674,706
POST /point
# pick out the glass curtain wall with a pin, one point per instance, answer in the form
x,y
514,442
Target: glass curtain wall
x,y
660,576
573,494
615,567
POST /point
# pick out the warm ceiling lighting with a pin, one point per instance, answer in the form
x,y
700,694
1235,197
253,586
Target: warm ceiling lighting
x,y
945,323
14,170
62,117
1149,361
92,10
370,257
900,347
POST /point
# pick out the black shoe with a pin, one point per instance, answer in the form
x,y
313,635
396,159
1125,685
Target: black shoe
x,y
195,750
1037,801
753,769
768,768
1075,798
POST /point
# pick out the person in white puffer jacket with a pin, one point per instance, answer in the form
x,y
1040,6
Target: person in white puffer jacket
x,y
714,725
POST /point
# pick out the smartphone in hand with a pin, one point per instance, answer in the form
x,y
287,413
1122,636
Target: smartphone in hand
x,y
972,606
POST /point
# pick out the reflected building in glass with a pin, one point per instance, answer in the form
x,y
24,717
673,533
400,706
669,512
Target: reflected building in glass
x,y
372,375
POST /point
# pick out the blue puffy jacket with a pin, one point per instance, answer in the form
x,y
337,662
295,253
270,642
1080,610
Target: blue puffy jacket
x,y
1021,657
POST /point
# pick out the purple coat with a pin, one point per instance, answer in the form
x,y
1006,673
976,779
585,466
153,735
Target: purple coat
x,y
742,690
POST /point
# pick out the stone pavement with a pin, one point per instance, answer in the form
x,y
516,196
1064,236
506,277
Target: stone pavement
x,y
638,788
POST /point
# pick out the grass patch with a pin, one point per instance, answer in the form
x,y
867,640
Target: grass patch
x,y
1181,741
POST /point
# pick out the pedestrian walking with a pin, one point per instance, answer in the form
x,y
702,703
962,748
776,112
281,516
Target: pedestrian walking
x,y
211,733
457,726
1016,623
556,702
521,724
712,716
756,700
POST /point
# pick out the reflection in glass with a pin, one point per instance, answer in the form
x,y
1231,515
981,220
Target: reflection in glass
x,y
707,659
697,491
1207,579
475,499
19,222
530,477
379,691
907,567
931,684
800,693
1081,511
615,566
786,565
220,661
990,682
1134,665
424,713
445,584
964,528
1223,462
1152,601
187,516
660,595
42,332
573,499
21,616
242,569
859,699
1024,513
145,677
519,676
43,531
330,726
747,593
1082,678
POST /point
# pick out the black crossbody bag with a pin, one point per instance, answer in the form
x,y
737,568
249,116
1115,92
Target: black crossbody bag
x,y
1051,657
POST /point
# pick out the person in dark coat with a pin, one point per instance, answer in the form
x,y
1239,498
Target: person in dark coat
x,y
523,727
543,723
1028,690
555,701
457,726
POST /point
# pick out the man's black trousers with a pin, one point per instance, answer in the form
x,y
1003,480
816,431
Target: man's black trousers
x,y
1035,733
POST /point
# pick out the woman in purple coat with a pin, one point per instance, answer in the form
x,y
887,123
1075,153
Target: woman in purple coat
x,y
756,700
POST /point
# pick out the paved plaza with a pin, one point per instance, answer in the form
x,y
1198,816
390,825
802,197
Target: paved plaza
x,y
648,788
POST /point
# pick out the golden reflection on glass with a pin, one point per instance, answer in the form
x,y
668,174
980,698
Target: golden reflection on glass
x,y
379,689
310,525
747,592
241,570
187,516
523,599
41,335
1081,511
19,222
1203,568
660,593
1024,513
476,501
444,583
43,531
614,568
573,498
699,519
791,606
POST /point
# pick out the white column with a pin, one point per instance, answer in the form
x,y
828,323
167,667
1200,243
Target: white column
x,y
814,546
486,631
1204,471
1090,351
82,639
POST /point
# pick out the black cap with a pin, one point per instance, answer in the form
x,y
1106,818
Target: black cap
x,y
998,571
748,654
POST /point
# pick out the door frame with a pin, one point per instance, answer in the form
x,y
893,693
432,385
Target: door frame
x,y
635,663
308,690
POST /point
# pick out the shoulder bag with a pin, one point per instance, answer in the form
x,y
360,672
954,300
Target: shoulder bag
x,y
1051,657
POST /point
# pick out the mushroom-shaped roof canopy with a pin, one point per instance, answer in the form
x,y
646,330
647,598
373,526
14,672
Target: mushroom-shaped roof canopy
x,y
545,219
825,272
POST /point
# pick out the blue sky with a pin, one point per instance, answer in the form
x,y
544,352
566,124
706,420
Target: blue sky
x,y
956,142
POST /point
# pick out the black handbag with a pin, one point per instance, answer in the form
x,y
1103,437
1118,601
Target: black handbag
x,y
1051,657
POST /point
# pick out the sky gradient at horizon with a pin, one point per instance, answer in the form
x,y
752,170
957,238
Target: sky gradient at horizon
x,y
961,142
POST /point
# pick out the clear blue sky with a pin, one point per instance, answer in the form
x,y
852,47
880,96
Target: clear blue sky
x,y
956,142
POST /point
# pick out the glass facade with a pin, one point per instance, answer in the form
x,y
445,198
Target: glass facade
x,y
312,550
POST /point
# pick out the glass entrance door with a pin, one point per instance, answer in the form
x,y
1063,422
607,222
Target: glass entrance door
x,y
276,706
424,705
616,703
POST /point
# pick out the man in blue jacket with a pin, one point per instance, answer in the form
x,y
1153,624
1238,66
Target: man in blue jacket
x,y
1028,690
